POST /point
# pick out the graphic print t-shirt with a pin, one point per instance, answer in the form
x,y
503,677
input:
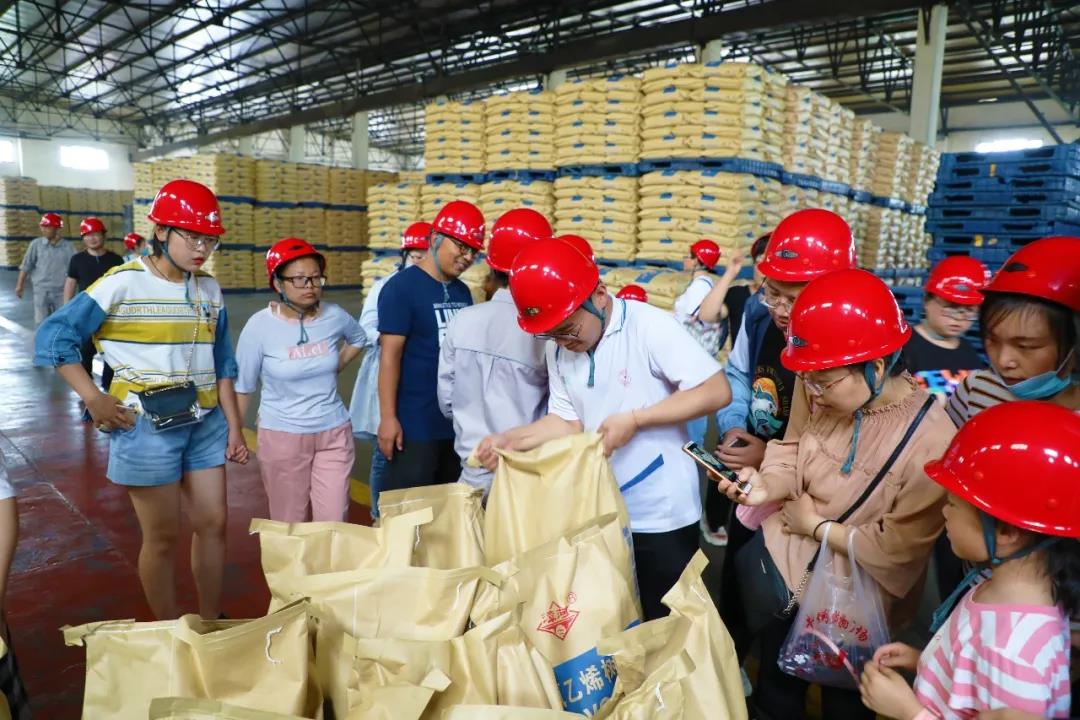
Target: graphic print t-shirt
x,y
770,393
413,304
939,369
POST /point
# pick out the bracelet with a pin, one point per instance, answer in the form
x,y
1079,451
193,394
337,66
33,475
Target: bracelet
x,y
817,527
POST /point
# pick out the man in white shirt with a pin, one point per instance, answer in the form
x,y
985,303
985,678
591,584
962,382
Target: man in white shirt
x,y
46,264
492,374
630,372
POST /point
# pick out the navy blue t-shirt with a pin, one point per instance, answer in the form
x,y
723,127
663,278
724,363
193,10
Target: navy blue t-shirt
x,y
412,304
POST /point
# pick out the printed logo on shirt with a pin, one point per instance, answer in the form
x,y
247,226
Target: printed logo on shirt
x,y
309,350
624,378
941,382
559,619
444,313
766,410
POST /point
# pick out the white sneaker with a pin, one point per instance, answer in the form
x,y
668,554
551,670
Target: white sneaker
x,y
716,538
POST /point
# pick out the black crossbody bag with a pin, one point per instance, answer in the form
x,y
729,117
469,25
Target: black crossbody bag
x,y
765,595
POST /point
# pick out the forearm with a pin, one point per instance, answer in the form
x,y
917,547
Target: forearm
x,y
229,405
712,308
347,355
80,381
243,404
21,281
69,290
9,536
389,376
684,405
533,435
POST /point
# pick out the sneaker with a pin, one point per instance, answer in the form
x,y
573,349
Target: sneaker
x,y
716,538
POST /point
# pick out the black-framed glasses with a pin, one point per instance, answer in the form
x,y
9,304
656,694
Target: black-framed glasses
x,y
198,242
568,336
464,249
305,281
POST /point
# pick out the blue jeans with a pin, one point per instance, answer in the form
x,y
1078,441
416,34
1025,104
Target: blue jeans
x,y
696,429
377,474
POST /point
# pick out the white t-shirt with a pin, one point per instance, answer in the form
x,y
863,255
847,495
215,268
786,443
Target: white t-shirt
x,y
644,356
687,304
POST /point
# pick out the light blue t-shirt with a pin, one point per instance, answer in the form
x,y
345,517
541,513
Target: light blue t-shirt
x,y
299,382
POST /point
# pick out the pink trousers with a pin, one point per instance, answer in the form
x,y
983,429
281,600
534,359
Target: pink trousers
x,y
306,476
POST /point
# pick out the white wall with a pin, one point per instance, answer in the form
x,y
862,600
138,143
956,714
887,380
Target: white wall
x,y
40,160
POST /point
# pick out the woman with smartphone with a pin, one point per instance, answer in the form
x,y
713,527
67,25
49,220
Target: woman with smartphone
x,y
857,465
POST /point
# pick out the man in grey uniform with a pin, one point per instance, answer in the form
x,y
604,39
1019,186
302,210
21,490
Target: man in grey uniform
x,y
46,263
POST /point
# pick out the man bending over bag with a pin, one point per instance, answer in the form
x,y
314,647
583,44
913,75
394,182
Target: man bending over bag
x,y
630,372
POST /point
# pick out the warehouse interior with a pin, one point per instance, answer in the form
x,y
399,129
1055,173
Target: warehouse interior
x,y
640,125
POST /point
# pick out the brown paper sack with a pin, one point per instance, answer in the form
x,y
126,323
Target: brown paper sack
x,y
540,495
261,664
395,702
493,712
322,547
658,696
455,537
713,690
191,709
605,531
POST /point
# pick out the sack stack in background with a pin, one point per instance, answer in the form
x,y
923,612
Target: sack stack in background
x,y
18,218
433,196
679,207
841,136
498,196
454,137
922,174
226,174
519,131
892,164
603,210
863,155
376,268
598,121
392,207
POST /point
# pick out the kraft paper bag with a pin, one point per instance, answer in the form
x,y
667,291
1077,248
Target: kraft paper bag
x,y
606,532
524,678
455,536
411,603
395,702
494,712
661,696
190,709
320,547
540,495
713,689
261,664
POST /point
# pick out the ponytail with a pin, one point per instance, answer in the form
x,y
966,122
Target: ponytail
x,y
1063,566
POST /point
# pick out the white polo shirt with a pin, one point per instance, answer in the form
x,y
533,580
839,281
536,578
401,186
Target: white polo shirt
x,y
644,356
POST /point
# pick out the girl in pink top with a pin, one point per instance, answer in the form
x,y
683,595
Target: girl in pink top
x,y
1013,510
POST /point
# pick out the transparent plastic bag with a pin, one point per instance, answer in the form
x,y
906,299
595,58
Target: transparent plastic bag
x,y
840,623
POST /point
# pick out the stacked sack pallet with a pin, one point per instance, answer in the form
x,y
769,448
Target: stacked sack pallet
x,y
603,209
346,224
598,121
863,155
806,140
273,218
375,268
434,195
679,207
392,207
18,218
309,213
454,137
529,190
236,265
519,131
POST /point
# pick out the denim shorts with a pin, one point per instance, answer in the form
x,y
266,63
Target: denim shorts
x,y
144,457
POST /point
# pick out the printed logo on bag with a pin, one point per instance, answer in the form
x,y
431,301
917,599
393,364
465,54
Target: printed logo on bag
x,y
559,618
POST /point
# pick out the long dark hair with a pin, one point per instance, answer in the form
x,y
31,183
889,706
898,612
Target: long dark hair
x,y
1063,567
1062,320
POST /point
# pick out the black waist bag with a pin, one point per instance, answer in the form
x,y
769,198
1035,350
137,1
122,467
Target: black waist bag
x,y
171,407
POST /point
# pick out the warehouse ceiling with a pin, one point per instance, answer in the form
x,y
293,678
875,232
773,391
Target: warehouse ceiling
x,y
179,74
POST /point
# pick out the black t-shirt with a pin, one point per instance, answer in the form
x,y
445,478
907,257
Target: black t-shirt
x,y
770,393
939,369
735,301
86,268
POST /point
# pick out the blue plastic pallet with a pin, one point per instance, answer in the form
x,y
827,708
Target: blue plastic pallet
x,y
1002,227
1008,213
886,202
861,196
993,257
1033,183
835,188
968,198
456,178
1028,168
522,175
964,241
732,165
610,170
1069,152
810,182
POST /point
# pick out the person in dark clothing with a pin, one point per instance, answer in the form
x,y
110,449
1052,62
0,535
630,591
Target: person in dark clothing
x,y
84,269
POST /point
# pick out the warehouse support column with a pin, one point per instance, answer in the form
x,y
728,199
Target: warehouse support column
x,y
360,141
297,140
554,79
246,146
712,51
926,79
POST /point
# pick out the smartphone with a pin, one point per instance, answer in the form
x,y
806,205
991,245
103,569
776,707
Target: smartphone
x,y
738,442
710,462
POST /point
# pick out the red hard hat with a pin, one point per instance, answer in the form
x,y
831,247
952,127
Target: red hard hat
x,y
581,244
287,250
462,221
633,292
131,240
416,236
91,225
958,279
51,220
188,205
1047,269
707,252
844,317
512,231
807,244
1018,462
549,280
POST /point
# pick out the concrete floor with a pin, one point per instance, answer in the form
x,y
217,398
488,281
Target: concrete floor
x,y
79,539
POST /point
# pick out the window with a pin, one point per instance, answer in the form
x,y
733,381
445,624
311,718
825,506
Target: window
x,y
1004,144
83,157
7,151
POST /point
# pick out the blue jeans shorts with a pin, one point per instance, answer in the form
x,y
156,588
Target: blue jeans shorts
x,y
143,457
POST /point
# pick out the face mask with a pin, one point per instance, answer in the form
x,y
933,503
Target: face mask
x,y
1043,385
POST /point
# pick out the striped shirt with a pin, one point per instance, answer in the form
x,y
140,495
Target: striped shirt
x,y
976,392
988,657
145,326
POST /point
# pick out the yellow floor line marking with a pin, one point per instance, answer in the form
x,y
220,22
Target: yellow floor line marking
x,y
358,491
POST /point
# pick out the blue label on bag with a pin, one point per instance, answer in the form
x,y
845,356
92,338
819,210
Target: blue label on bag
x,y
586,681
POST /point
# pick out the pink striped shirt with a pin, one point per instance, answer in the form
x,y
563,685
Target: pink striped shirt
x,y
988,657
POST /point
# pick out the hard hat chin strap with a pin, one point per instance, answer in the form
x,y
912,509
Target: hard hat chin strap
x,y
436,243
187,275
591,308
875,390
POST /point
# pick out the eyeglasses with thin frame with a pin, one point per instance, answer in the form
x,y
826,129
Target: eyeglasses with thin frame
x,y
464,249
814,389
570,336
305,281
959,312
773,301
198,242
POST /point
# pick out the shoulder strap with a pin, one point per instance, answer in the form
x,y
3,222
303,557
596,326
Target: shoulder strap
x,y
892,459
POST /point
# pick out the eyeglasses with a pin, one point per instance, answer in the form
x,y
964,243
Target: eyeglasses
x,y
197,242
814,389
305,281
959,312
773,301
464,249
568,336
